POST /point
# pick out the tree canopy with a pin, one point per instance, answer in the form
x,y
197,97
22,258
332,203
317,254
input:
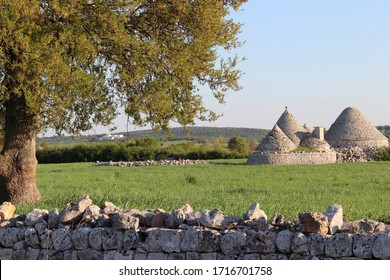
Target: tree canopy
x,y
70,64
76,61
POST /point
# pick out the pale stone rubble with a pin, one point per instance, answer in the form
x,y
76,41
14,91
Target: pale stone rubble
x,y
150,162
83,231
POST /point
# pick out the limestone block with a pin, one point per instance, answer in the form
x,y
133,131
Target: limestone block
x,y
209,241
339,245
163,240
362,245
254,212
334,213
274,257
129,255
177,256
230,222
261,242
190,241
80,238
95,238
62,239
20,245
6,254
192,256
177,216
112,239
90,254
109,255
53,218
71,255
91,213
159,219
157,256
44,234
131,240
124,221
51,255
19,254
35,216
295,256
283,241
140,256
232,242
193,218
316,244
31,237
32,253
7,209
381,247
364,226
110,208
212,219
147,217
252,256
299,244
208,256
9,236
314,222
74,212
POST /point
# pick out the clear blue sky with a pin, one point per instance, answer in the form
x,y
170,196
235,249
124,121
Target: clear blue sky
x,y
317,57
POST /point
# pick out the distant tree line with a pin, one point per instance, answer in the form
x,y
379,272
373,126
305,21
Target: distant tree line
x,y
145,148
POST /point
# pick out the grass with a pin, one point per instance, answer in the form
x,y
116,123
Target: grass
x,y
363,189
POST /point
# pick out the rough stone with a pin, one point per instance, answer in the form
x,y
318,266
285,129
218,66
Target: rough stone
x,y
314,222
295,256
62,239
51,255
190,241
110,208
261,242
253,256
126,256
35,216
9,236
254,212
299,244
177,216
230,222
339,245
91,213
148,217
334,213
20,245
90,254
80,238
140,256
95,238
159,219
31,237
362,245
208,256
124,221
212,219
176,256
316,244
112,239
131,240
364,226
44,234
192,256
53,218
74,213
157,256
19,254
209,241
381,247
193,218
283,241
164,240
6,254
274,257
232,242
32,253
71,255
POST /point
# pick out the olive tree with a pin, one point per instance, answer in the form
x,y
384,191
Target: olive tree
x,y
72,64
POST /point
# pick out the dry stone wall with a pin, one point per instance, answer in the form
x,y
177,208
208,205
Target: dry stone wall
x,y
292,158
83,231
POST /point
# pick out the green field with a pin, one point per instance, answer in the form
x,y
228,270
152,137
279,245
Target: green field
x,y
363,189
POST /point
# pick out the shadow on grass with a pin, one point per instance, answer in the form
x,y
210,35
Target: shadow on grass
x,y
228,162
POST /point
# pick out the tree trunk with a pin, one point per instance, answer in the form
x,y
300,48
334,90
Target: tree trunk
x,y
17,159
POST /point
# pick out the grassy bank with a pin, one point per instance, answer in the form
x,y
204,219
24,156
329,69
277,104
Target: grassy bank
x,y
363,189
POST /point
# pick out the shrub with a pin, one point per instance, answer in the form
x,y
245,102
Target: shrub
x,y
382,154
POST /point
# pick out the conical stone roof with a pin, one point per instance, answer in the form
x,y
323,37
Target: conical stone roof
x,y
276,141
291,127
352,128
